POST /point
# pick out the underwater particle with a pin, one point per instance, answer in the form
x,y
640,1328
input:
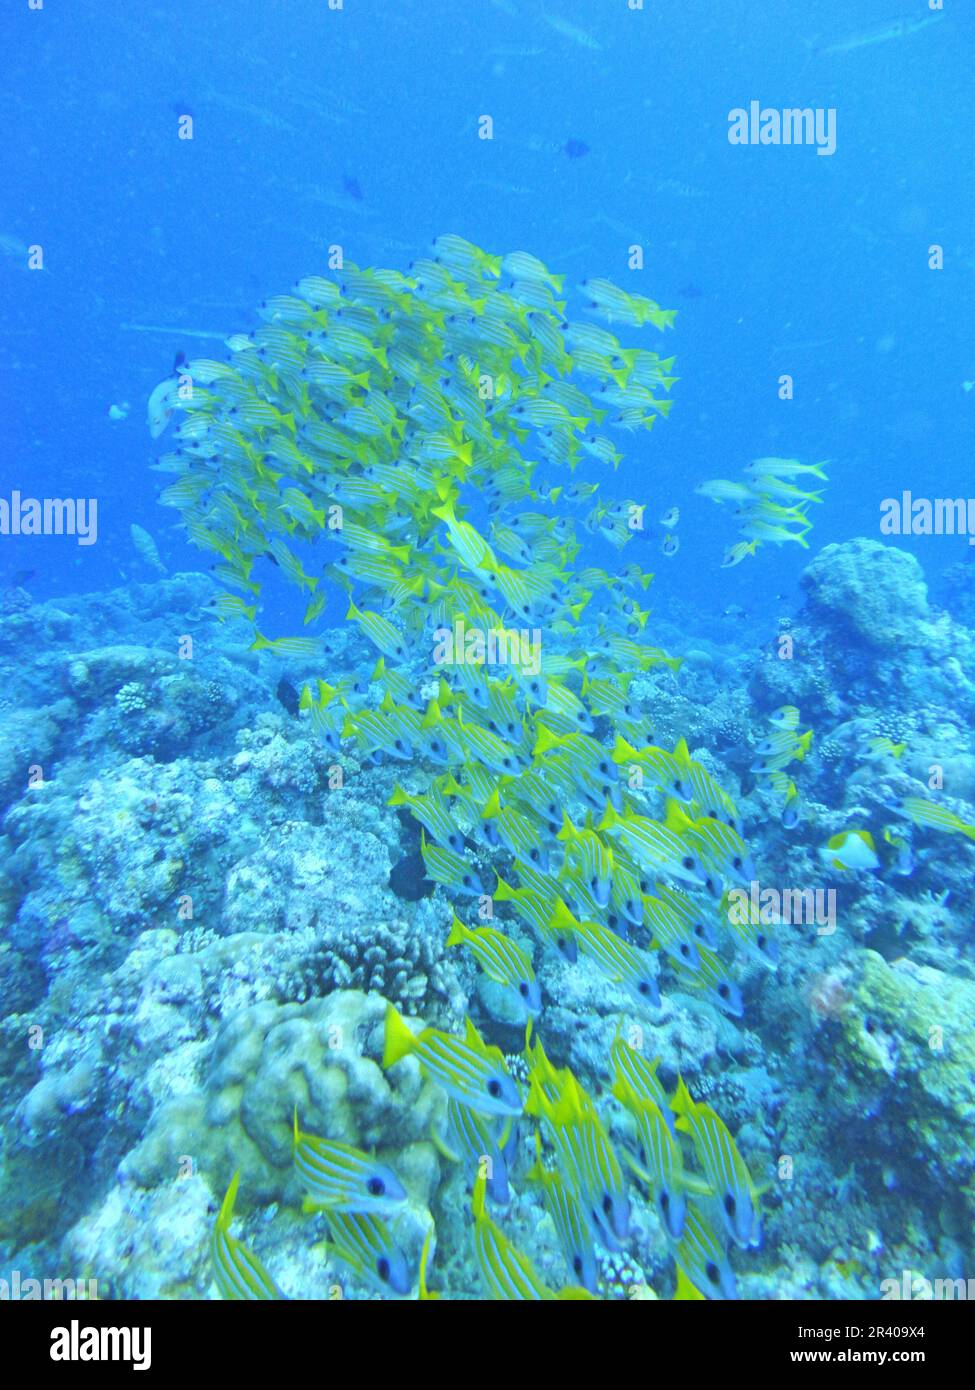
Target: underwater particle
x,y
670,544
575,149
352,186
408,879
119,412
288,696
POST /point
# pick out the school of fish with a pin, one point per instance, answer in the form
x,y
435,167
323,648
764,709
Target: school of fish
x,y
391,425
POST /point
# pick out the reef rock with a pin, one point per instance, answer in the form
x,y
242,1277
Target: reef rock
x,y
871,592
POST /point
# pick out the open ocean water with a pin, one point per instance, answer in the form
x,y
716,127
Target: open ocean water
x,y
487,650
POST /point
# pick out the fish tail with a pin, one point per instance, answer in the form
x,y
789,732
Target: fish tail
x,y
229,1201
399,1041
457,932
503,893
681,1102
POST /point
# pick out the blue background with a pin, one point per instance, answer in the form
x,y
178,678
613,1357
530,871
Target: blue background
x,y
359,127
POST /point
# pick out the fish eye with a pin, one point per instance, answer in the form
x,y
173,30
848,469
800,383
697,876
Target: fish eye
x,y
494,1088
736,862
382,1268
723,990
761,942
613,921
685,950
577,1264
711,1270
687,862
665,1201
523,989
729,1203
375,1186
678,785
467,881
534,856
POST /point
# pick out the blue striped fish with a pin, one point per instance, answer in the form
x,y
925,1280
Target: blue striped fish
x,y
724,1168
363,1241
466,1068
238,1272
343,1178
507,1273
571,1226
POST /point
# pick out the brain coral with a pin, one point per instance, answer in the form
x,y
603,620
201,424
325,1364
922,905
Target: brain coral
x,y
268,1059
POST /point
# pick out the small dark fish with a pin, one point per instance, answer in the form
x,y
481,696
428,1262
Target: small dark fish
x,y
288,696
19,578
408,879
352,187
575,149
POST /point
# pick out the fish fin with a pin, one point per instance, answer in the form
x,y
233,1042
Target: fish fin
x,y
229,1201
458,932
478,1196
504,893
437,1139
685,1290
681,751
681,1102
399,1040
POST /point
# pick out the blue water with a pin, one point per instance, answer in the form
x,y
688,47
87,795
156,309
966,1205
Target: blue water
x,y
778,259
